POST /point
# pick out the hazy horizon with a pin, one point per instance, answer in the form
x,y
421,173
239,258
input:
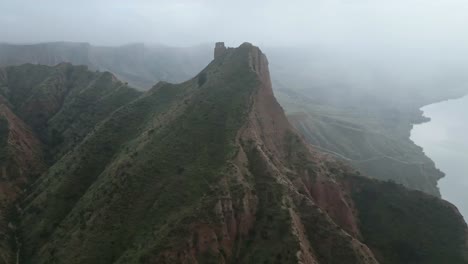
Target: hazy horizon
x,y
151,144
185,23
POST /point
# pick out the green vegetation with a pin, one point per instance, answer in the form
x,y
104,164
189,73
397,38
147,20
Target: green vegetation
x,y
63,103
4,131
183,171
375,139
271,239
408,226
152,164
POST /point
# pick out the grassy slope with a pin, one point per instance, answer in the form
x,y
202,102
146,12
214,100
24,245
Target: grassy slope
x,y
134,168
143,65
3,140
374,140
370,145
63,103
135,184
399,225
404,226
270,240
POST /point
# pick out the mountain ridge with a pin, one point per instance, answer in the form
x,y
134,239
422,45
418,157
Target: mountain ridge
x,y
206,171
371,131
139,64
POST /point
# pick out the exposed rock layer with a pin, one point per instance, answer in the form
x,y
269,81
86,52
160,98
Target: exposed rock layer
x,y
208,171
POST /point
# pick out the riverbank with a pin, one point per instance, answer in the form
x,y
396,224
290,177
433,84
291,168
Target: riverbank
x,y
445,140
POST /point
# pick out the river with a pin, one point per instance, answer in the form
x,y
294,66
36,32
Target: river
x,y
445,140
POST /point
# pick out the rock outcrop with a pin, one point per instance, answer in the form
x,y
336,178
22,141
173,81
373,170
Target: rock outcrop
x,y
220,49
206,171
21,162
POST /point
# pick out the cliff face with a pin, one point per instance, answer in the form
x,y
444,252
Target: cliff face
x,y
210,171
22,153
369,130
21,162
220,49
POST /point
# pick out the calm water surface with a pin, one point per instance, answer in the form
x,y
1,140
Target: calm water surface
x,y
445,141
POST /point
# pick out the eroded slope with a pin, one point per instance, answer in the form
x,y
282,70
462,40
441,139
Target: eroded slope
x,y
210,171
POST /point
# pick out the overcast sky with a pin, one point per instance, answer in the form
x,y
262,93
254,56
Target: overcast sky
x,y
272,22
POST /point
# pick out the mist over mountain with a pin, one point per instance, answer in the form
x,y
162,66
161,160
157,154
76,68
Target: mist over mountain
x,y
340,79
141,65
125,138
394,77
363,120
205,171
379,46
361,25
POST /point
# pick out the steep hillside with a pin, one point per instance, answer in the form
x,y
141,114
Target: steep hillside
x,y
21,161
62,103
340,104
362,108
374,139
138,64
210,171
44,112
402,226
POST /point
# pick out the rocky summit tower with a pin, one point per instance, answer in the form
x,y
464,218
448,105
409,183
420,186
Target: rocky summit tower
x,y
205,171
220,49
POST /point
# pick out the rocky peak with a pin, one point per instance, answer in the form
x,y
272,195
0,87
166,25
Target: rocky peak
x,y
214,173
220,49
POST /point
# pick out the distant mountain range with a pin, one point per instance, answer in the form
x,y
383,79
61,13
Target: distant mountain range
x,y
367,127
138,64
205,171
